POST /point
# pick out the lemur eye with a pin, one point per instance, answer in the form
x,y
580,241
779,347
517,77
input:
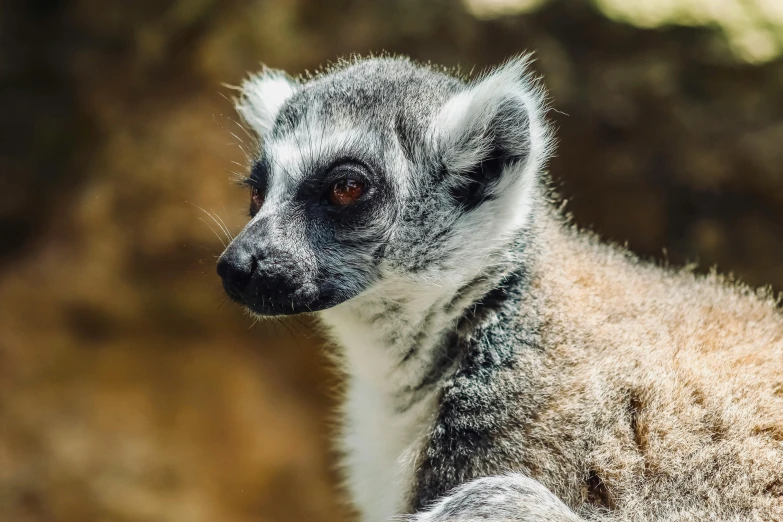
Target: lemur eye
x,y
345,191
256,199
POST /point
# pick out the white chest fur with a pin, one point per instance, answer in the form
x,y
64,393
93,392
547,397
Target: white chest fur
x,y
380,447
381,439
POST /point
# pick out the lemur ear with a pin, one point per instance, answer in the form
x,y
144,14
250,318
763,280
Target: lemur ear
x,y
263,95
490,136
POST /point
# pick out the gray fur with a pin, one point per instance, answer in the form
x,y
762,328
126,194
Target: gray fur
x,y
512,497
531,373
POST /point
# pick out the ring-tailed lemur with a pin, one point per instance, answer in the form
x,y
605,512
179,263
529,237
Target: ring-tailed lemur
x,y
500,364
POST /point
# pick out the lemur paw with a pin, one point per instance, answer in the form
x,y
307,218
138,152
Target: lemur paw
x,y
512,497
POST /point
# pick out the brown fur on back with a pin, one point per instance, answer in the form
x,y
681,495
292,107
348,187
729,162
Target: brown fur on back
x,y
662,391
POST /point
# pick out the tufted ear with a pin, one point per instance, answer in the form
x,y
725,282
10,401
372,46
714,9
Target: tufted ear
x,y
263,95
491,135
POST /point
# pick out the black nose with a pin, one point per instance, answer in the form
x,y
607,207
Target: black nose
x,y
236,268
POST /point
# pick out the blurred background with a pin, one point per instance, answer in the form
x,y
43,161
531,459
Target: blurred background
x,y
130,390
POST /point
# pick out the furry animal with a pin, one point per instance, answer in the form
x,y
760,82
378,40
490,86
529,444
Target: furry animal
x,y
500,364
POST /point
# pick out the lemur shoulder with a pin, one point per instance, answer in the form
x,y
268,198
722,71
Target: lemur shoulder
x,y
500,364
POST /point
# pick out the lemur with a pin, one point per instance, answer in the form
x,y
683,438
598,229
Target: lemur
x,y
500,363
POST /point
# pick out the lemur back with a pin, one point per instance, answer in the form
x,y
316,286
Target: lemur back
x,y
632,393
500,364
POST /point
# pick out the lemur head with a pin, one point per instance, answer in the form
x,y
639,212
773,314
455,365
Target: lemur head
x,y
381,173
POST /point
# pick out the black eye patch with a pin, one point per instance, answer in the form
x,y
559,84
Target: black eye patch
x,y
314,185
313,194
259,174
257,181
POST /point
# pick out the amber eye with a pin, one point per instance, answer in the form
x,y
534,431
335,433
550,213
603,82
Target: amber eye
x,y
256,198
345,191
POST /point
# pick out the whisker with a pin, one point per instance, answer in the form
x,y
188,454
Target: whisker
x,y
213,231
225,227
255,322
291,332
222,227
237,123
221,219
248,156
214,120
236,163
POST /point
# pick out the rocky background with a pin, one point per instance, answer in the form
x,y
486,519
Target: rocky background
x,y
130,390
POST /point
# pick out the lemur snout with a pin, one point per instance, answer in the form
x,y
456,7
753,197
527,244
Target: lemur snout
x,y
267,279
236,269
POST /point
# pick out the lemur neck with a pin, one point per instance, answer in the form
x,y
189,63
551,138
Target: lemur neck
x,y
402,340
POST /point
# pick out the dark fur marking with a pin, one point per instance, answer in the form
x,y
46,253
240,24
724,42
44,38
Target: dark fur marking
x,y
443,360
406,138
774,432
418,338
463,291
717,426
640,435
597,493
289,117
455,344
509,142
476,187
472,412
774,488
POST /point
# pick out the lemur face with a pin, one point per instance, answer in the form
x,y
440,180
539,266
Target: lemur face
x,y
377,172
